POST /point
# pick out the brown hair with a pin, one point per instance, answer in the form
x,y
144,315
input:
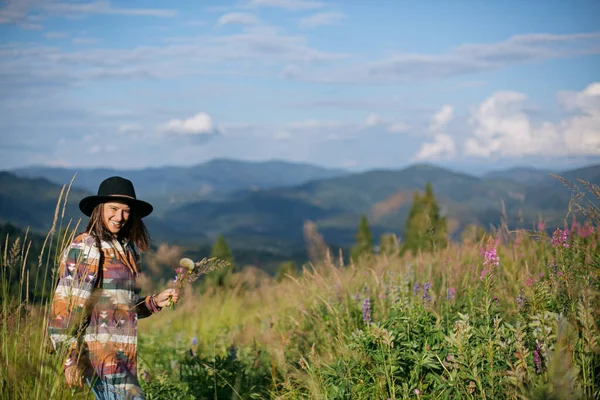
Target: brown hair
x,y
134,229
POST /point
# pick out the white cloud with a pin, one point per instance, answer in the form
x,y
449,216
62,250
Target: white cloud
x,y
129,128
322,19
237,18
104,7
199,124
442,146
502,127
16,12
96,149
376,121
84,41
55,35
373,120
292,5
398,127
468,59
442,118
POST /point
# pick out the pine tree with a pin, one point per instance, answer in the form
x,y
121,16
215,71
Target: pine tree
x,y
437,229
426,230
222,251
364,240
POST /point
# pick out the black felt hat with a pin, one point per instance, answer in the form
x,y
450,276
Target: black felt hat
x,y
115,188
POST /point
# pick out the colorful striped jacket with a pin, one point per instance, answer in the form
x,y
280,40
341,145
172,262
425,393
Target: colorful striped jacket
x,y
95,310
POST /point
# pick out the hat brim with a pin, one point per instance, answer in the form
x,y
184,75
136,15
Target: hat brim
x,y
142,208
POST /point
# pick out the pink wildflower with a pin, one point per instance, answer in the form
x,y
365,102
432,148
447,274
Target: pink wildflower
x,y
559,238
529,281
541,225
484,273
491,258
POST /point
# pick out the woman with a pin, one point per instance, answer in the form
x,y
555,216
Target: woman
x,y
96,303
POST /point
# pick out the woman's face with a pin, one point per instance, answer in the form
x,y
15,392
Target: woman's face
x,y
115,216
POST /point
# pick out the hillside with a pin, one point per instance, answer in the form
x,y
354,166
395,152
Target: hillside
x,y
165,186
269,221
277,215
532,176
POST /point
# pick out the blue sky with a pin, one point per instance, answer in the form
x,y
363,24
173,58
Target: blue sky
x,y
352,84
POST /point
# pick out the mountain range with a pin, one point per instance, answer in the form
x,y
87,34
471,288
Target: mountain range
x,y
263,206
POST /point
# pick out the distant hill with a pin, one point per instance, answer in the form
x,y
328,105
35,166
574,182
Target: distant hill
x,y
31,202
268,221
384,196
520,174
589,174
166,186
532,176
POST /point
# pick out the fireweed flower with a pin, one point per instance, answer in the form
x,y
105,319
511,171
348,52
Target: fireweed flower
x,y
484,273
490,260
366,311
450,292
559,238
529,281
491,257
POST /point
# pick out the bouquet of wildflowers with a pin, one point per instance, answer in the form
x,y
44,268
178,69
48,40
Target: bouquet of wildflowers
x,y
189,271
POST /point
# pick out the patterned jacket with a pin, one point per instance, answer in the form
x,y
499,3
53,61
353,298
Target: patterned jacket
x,y
95,310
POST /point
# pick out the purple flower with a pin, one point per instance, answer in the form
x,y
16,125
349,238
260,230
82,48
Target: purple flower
x,y
416,288
450,292
366,311
194,341
357,297
426,295
559,238
537,359
521,299
484,273
491,258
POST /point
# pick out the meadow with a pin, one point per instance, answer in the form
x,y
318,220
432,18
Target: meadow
x,y
497,315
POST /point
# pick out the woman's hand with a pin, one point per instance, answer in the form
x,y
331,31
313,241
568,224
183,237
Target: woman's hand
x,y
162,299
73,376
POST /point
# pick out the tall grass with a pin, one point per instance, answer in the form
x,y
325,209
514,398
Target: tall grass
x,y
506,315
29,366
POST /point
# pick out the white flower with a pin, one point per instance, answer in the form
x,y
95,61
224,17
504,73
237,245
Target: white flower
x,y
187,263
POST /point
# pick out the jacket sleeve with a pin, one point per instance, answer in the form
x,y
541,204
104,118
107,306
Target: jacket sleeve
x,y
69,312
145,306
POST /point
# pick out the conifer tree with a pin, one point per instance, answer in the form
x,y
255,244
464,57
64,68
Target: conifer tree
x,y
364,240
426,230
222,251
